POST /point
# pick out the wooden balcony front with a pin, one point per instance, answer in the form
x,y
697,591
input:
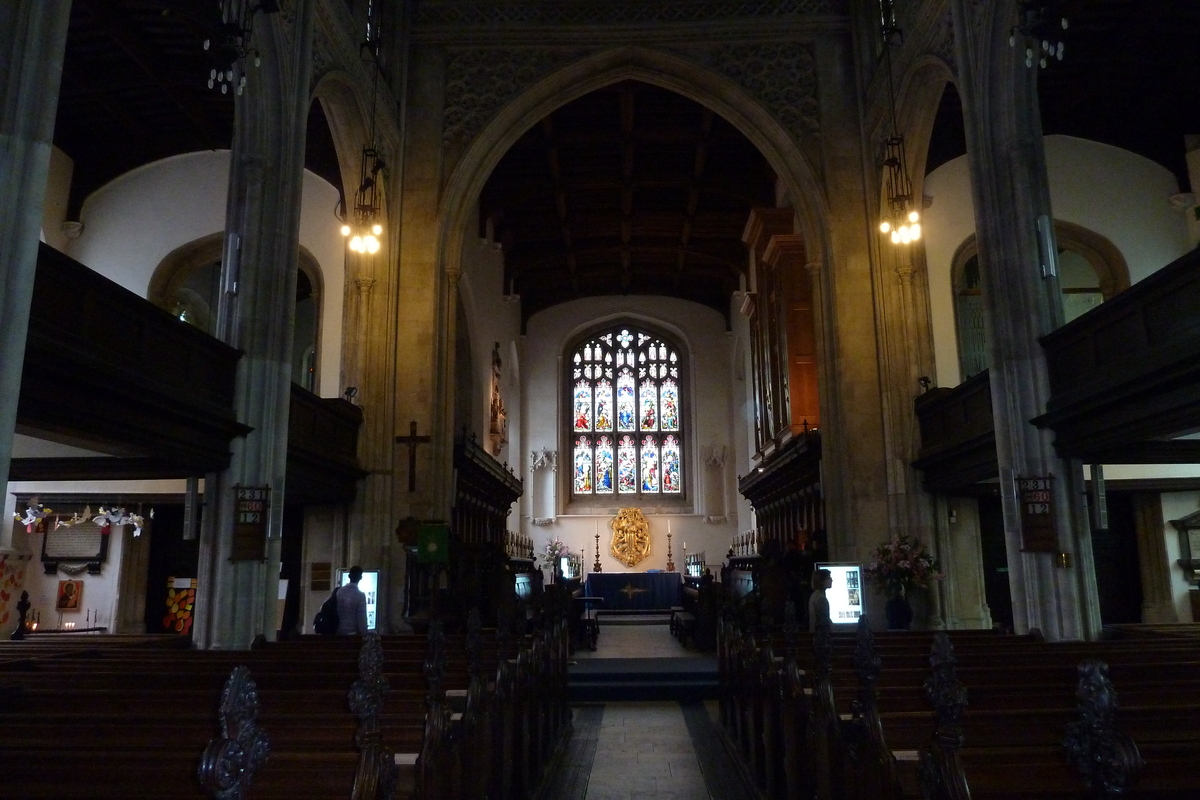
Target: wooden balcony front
x,y
1125,377
958,437
110,371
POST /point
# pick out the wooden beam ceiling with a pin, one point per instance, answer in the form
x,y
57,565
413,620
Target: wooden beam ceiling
x,y
631,189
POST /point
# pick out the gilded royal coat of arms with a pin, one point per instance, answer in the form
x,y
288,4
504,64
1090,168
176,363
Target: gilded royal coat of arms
x,y
631,537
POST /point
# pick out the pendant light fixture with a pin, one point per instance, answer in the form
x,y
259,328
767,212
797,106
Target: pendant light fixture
x,y
1039,26
901,221
233,43
365,227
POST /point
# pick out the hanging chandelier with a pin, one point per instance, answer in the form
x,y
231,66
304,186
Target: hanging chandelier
x,y
901,222
365,227
232,44
1038,27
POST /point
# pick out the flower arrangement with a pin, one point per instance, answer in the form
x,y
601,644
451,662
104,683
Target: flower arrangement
x,y
899,565
556,549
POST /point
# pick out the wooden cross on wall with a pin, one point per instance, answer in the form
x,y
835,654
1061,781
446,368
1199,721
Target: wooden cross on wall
x,y
412,440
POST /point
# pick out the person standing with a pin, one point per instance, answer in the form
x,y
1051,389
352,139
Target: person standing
x,y
818,603
352,606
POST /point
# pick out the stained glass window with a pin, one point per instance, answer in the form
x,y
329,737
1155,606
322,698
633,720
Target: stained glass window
x,y
626,414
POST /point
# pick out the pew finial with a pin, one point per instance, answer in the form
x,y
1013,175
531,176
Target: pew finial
x,y
376,768
866,660
940,771
1107,759
230,762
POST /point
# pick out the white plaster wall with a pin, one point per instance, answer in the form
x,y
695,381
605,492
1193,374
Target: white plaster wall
x,y
101,593
1115,193
702,332
491,317
132,223
1176,505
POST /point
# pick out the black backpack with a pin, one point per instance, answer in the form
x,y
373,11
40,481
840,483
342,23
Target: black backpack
x,y
326,621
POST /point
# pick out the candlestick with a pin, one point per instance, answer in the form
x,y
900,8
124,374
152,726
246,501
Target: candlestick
x,y
597,567
670,560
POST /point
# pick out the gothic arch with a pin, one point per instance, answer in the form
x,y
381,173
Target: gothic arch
x,y
348,115
648,66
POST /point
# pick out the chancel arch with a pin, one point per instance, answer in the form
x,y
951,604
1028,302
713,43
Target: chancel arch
x,y
475,164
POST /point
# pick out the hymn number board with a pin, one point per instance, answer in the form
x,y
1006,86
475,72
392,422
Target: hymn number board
x,y
251,507
1038,534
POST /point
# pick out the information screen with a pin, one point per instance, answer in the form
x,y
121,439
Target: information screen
x,y
846,595
370,587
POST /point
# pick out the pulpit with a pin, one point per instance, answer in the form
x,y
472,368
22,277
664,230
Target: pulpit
x,y
636,591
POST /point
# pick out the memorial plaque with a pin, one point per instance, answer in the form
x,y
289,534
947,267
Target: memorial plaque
x,y
250,513
1038,533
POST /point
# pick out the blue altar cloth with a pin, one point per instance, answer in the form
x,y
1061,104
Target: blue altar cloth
x,y
636,591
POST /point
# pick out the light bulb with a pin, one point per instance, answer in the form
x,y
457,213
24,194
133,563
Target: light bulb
x,y
345,230
257,61
1042,62
239,91
372,245
1064,23
210,83
1060,51
913,216
377,229
224,88
229,74
356,244
916,231
1012,40
1045,45
1028,53
206,40
895,237
212,73
905,236
885,226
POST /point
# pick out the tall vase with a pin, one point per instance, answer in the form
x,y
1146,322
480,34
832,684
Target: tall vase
x,y
899,612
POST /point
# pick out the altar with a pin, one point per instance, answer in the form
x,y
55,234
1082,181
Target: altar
x,y
635,591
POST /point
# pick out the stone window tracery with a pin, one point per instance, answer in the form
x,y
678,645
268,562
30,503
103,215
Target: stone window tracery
x,y
626,420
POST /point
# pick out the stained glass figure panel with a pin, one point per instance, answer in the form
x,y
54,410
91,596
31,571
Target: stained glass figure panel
x,y
669,405
583,406
583,466
625,401
671,478
604,406
627,466
649,472
604,465
648,400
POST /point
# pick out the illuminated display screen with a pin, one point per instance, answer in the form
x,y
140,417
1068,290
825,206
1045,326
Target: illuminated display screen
x,y
846,595
370,587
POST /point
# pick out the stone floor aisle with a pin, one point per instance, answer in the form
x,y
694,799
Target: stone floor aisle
x,y
646,751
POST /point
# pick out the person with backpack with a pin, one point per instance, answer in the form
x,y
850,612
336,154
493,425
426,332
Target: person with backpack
x,y
352,606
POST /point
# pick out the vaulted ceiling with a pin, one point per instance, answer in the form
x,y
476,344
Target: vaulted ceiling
x,y
631,189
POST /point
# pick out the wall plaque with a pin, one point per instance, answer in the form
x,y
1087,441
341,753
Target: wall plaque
x,y
250,513
1038,533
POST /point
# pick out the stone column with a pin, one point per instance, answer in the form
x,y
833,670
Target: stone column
x,y
1011,193
236,599
854,462
33,36
1158,605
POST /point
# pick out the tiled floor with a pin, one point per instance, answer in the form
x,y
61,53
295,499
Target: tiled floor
x,y
644,752
636,641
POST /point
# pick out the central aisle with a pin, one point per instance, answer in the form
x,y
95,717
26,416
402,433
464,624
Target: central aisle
x,y
646,751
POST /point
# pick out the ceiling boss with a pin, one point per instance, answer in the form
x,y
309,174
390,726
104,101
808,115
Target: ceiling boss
x,y
631,536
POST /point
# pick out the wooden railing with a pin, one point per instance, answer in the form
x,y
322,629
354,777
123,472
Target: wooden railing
x,y
322,449
103,365
958,437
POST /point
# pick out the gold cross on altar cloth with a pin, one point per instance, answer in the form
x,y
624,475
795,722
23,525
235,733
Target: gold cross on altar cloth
x,y
629,591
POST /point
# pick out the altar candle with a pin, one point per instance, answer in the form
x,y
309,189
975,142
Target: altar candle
x,y
668,526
